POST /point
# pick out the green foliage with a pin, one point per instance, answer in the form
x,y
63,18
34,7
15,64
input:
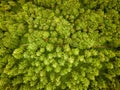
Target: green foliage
x,y
59,44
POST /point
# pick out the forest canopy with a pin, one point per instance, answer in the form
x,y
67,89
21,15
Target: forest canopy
x,y
59,44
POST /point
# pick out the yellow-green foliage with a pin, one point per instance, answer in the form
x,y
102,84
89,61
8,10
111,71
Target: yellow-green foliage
x,y
59,44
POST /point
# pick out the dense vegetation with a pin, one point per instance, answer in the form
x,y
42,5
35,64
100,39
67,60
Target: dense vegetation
x,y
59,44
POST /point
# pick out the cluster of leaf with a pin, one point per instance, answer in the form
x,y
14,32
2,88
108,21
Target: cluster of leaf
x,y
59,44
